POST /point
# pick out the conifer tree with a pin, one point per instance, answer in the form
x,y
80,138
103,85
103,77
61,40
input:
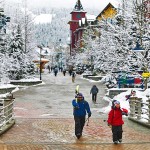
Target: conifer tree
x,y
17,56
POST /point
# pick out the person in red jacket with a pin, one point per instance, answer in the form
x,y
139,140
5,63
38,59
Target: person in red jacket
x,y
115,121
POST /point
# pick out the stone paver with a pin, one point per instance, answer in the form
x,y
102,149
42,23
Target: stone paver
x,y
44,121
76,147
58,133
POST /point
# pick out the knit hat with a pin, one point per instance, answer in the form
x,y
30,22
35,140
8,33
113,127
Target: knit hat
x,y
116,102
79,95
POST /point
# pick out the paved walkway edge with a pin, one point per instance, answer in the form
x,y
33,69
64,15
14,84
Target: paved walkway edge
x,y
7,126
140,122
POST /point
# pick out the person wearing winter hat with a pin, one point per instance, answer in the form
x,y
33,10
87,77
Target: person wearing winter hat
x,y
80,108
115,121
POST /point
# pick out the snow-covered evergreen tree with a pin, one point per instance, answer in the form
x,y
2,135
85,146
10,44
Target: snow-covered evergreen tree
x,y
16,55
20,66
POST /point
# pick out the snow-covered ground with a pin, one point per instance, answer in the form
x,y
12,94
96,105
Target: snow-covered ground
x,y
7,86
120,97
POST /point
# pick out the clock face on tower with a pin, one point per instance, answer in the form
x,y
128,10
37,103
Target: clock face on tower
x,y
78,16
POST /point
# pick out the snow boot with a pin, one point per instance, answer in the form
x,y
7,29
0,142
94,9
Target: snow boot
x,y
78,136
115,142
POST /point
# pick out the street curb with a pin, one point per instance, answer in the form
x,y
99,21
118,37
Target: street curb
x,y
140,122
7,126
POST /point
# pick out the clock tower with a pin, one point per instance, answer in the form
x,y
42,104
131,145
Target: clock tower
x,y
77,14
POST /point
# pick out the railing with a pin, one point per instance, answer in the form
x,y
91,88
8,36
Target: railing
x,y
139,110
6,111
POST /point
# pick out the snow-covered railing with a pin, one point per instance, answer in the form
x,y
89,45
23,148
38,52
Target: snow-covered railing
x,y
139,110
6,111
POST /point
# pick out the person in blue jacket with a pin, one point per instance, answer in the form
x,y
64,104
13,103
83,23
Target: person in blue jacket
x,y
80,109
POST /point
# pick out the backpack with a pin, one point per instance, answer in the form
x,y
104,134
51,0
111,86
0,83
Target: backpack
x,y
56,70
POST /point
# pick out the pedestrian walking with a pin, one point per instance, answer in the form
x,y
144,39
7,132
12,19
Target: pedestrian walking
x,y
48,67
73,76
132,94
52,67
70,72
64,72
115,121
94,91
55,71
80,108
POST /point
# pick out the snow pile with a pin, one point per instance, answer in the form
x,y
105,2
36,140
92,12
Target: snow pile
x,y
27,80
5,86
125,103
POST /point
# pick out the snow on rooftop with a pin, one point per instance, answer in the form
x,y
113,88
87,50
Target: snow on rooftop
x,y
6,86
45,51
113,2
43,18
90,17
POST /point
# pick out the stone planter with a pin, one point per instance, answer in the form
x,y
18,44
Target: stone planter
x,y
25,83
6,90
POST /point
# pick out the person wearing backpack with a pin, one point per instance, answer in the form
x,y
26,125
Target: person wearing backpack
x,y
115,121
94,91
80,109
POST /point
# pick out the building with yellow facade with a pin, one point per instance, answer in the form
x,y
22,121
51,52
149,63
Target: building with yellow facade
x,y
108,12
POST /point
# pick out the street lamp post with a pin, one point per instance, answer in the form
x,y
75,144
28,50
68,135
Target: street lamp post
x,y
61,60
40,65
138,48
60,54
40,62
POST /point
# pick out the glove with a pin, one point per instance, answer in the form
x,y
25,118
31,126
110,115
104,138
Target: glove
x,y
124,113
109,125
89,115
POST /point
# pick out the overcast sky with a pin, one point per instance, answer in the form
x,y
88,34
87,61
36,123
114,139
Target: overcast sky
x,y
67,3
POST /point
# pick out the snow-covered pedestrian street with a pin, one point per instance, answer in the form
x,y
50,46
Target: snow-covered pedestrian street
x,y
53,99
44,120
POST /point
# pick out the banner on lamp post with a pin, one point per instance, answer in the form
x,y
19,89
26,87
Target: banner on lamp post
x,y
146,74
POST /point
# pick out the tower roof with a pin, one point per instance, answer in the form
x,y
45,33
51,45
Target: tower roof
x,y
78,6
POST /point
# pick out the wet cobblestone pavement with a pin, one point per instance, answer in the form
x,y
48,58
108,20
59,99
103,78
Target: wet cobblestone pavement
x,y
40,134
44,121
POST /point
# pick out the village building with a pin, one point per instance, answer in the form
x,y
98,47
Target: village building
x,y
108,12
77,14
80,21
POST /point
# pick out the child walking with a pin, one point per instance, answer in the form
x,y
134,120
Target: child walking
x,y
115,121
